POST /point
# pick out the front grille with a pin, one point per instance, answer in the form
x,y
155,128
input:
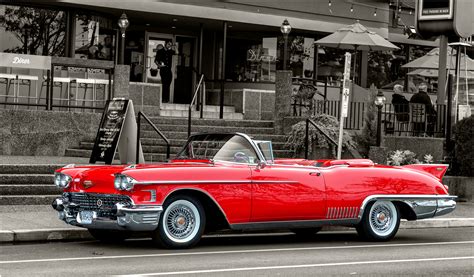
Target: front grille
x,y
90,202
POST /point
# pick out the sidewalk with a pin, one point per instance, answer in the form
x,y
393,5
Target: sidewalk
x,y
40,223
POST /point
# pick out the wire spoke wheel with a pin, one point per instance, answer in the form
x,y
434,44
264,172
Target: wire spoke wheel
x,y
380,221
181,223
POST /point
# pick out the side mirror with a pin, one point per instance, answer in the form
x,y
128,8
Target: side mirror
x,y
261,164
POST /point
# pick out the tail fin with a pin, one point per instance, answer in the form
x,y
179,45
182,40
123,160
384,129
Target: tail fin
x,y
437,170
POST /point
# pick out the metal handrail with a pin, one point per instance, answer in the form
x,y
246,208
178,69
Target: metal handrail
x,y
201,85
168,145
306,141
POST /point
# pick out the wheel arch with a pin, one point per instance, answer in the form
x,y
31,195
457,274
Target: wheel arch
x,y
215,217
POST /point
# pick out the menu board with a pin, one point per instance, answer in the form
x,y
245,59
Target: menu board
x,y
109,131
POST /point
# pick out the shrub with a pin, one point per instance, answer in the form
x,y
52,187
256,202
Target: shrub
x,y
296,138
404,157
464,146
368,135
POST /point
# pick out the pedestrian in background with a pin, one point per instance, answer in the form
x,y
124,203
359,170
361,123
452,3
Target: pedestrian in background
x,y
164,59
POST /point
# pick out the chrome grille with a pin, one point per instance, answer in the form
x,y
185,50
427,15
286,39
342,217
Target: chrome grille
x,y
100,203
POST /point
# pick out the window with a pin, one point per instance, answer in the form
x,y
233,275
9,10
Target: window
x,y
95,38
32,31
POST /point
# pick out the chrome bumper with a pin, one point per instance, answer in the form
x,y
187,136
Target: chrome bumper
x,y
426,208
124,217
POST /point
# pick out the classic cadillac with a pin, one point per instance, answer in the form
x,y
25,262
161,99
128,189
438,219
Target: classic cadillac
x,y
230,181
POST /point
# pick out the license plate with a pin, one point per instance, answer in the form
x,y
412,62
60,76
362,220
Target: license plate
x,y
86,217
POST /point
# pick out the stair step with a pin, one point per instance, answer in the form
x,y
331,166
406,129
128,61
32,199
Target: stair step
x,y
26,179
27,199
29,169
206,114
27,189
208,129
196,121
149,157
159,146
185,107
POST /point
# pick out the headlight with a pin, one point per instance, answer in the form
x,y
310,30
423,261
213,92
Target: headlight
x,y
62,180
123,182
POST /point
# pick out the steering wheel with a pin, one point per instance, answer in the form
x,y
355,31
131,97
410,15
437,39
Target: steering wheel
x,y
241,157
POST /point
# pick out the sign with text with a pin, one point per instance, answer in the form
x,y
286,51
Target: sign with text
x,y
435,9
346,85
109,131
25,61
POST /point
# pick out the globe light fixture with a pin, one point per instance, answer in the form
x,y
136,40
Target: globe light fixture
x,y
285,30
123,24
379,103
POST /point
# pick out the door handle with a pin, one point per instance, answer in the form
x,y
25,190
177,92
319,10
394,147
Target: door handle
x,y
315,173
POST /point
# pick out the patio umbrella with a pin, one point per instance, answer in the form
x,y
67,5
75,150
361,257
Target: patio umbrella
x,y
356,37
431,61
433,73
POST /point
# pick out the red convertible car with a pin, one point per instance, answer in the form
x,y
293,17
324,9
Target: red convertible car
x,y
230,181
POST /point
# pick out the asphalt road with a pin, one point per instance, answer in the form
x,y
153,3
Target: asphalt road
x,y
437,251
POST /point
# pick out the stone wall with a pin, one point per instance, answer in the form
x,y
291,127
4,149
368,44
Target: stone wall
x,y
462,187
419,145
44,133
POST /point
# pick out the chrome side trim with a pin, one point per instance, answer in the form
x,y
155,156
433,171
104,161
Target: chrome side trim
x,y
418,200
268,225
174,182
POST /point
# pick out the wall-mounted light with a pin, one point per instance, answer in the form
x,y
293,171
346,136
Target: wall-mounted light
x,y
375,12
352,8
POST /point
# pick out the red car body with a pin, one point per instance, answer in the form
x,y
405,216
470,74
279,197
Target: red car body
x,y
281,193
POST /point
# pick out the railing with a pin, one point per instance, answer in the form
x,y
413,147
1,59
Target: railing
x,y
200,87
306,139
414,120
168,145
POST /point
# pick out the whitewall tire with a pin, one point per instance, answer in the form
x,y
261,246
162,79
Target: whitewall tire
x,y
181,223
380,221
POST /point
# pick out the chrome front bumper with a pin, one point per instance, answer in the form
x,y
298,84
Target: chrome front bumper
x,y
122,216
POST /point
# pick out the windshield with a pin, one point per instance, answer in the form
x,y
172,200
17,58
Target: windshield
x,y
221,147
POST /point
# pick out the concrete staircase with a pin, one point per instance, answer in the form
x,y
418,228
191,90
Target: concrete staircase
x,y
27,184
175,129
212,112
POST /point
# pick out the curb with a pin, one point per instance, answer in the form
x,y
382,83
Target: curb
x,y
70,234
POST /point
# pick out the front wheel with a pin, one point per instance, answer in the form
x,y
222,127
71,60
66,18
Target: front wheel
x,y
181,223
380,221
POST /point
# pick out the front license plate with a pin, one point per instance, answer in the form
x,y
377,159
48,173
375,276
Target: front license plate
x,y
86,217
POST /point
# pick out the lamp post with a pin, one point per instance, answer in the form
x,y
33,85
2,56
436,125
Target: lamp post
x,y
123,24
285,30
379,102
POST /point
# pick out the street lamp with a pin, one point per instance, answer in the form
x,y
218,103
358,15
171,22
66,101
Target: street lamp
x,y
123,23
379,102
285,30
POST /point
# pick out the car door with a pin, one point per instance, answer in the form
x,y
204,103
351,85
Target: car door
x,y
287,193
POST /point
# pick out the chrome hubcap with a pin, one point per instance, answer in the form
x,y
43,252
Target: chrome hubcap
x,y
181,221
382,218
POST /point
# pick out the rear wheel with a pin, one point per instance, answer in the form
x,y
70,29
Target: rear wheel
x,y
380,221
306,232
109,236
181,223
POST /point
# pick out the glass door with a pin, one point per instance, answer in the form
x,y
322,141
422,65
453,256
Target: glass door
x,y
160,64
184,78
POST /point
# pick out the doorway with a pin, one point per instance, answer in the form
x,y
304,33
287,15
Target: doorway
x,y
182,65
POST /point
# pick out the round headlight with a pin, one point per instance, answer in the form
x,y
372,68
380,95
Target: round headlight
x,y
123,182
62,180
117,182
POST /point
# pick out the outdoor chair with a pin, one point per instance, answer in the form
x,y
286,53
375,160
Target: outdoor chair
x,y
5,78
23,78
60,80
402,117
418,118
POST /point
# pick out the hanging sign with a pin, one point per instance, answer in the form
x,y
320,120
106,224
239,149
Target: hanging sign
x,y
346,86
25,61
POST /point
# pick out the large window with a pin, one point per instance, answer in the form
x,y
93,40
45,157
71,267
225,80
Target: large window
x,y
95,38
32,31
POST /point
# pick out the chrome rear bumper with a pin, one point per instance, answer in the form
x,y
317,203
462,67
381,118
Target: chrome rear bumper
x,y
120,217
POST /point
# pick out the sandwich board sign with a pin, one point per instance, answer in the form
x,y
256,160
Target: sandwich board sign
x,y
117,129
